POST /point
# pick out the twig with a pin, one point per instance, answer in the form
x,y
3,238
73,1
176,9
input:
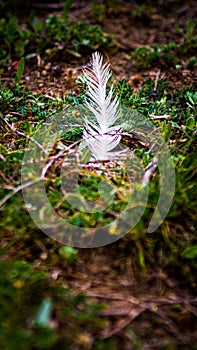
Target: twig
x,y
48,6
131,315
2,158
136,134
114,296
3,176
24,135
50,97
137,309
166,116
82,67
149,172
156,79
16,190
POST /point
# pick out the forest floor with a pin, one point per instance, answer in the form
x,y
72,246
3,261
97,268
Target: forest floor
x,y
147,285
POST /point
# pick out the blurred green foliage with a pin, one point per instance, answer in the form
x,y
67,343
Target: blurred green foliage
x,y
49,37
36,313
172,53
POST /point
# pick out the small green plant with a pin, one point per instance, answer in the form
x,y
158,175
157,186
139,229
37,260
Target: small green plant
x,y
19,72
192,101
73,134
69,254
139,11
190,252
14,39
99,10
191,63
67,6
10,31
189,32
6,98
166,130
85,35
103,9
190,123
146,56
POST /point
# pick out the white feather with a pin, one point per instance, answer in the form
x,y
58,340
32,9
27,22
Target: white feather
x,y
102,136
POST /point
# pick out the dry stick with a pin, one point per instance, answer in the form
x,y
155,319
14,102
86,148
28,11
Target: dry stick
x,y
190,308
167,323
156,79
82,67
22,134
133,300
16,190
48,6
155,117
140,305
132,314
2,158
149,172
5,179
115,296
